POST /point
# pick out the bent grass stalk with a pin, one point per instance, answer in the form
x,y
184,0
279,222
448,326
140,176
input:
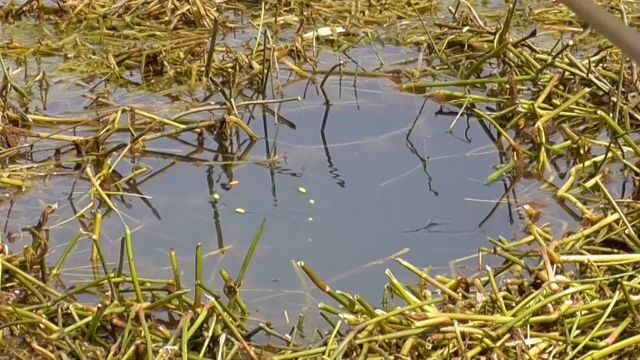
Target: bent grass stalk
x,y
132,264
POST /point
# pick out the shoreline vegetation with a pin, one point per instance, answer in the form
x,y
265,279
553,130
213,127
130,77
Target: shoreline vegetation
x,y
560,103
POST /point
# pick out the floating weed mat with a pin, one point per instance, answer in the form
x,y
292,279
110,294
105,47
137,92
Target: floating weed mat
x,y
201,45
562,112
561,109
133,317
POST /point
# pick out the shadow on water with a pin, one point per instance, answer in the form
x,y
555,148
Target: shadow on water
x,y
346,178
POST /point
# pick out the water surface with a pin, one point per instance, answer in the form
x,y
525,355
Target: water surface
x,y
384,172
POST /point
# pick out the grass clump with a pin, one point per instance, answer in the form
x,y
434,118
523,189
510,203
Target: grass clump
x,y
562,111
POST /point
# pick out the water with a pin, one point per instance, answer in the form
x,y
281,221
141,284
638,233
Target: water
x,y
386,177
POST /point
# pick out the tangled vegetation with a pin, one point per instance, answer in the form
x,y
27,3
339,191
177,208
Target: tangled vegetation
x,y
559,102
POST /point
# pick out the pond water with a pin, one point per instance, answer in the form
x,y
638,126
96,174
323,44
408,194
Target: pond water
x,y
384,177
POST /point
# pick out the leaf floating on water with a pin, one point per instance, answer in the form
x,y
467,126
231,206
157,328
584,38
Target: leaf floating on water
x,y
302,190
324,32
241,211
311,201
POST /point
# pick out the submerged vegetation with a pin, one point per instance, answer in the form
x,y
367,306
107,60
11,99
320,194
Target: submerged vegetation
x,y
559,102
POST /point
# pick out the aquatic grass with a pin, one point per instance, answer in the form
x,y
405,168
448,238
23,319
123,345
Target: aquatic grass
x,y
92,321
561,113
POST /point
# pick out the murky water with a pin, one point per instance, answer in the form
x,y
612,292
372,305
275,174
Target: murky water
x,y
382,173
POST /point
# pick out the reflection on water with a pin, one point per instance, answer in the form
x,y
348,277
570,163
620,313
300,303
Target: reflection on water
x,y
382,174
